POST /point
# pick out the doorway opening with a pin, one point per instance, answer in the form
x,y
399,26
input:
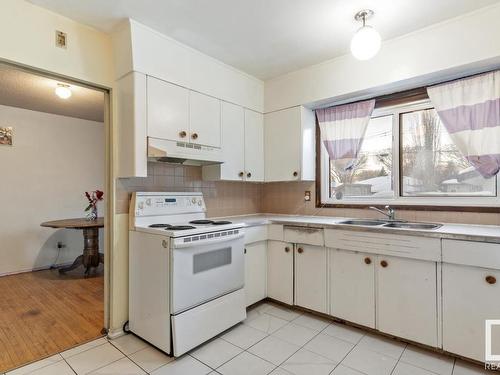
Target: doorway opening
x,y
53,197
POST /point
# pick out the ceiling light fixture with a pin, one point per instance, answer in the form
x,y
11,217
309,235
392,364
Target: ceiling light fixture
x,y
366,42
63,91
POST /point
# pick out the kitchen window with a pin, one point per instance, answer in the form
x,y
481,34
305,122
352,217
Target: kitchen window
x,y
406,158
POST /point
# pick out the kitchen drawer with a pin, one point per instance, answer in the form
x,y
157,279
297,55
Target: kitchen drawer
x,y
304,235
423,248
275,232
479,254
255,234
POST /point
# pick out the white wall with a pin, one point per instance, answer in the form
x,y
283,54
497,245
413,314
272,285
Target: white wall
x,y
43,176
456,47
27,36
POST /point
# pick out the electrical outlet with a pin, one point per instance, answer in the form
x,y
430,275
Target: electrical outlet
x,y
307,196
61,39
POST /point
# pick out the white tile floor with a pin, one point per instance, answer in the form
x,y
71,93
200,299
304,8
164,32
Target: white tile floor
x,y
273,340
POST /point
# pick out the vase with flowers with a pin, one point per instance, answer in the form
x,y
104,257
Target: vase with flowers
x,y
93,197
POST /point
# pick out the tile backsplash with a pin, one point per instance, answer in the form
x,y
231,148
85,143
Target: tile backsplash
x,y
222,198
241,198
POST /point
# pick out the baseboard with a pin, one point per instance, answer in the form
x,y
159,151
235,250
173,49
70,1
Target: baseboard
x,y
41,268
115,333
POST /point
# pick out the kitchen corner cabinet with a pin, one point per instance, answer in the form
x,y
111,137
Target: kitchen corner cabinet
x,y
407,298
242,146
289,139
255,272
311,268
471,294
352,286
280,271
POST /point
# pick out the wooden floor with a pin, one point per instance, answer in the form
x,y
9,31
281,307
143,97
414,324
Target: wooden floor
x,y
43,313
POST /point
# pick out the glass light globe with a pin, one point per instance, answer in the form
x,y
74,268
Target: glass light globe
x,y
63,91
365,43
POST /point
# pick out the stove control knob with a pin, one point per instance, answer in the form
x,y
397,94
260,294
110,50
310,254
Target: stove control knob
x,y
148,201
141,205
200,202
193,200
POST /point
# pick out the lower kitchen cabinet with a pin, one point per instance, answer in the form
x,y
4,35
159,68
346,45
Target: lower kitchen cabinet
x,y
470,296
407,298
280,271
311,283
352,286
255,272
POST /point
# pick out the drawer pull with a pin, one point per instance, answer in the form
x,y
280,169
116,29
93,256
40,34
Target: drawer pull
x,y
240,174
287,249
300,250
194,136
491,279
384,263
182,134
295,174
249,175
368,260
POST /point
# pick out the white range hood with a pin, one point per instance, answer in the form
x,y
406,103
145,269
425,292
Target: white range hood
x,y
185,153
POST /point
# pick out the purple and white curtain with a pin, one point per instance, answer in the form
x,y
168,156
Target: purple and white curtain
x,y
470,110
342,130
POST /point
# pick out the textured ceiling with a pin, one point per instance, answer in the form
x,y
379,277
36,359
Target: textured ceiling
x,y
22,89
265,38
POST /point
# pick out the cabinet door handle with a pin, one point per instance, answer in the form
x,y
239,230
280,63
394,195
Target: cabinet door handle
x,y
241,174
194,136
245,250
368,260
295,174
182,134
287,249
164,243
249,175
300,250
491,279
384,263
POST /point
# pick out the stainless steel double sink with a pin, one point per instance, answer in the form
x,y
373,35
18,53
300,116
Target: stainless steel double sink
x,y
391,224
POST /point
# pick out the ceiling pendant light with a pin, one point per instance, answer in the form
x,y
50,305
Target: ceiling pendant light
x,y
63,91
366,42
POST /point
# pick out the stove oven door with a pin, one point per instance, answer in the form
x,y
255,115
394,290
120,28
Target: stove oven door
x,y
205,267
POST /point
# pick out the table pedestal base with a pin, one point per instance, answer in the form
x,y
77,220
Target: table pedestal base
x,y
91,256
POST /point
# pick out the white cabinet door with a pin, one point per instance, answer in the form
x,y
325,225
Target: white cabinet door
x,y
233,145
407,298
204,119
282,139
352,286
280,271
254,146
470,296
255,272
167,110
311,284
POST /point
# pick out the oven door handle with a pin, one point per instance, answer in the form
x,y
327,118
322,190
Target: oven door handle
x,y
179,243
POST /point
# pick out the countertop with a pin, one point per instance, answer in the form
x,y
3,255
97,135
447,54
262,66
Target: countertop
x,y
467,232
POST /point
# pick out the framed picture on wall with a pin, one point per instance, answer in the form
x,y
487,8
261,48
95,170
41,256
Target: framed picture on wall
x,y
6,136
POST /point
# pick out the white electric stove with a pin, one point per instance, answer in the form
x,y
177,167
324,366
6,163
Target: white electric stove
x,y
186,272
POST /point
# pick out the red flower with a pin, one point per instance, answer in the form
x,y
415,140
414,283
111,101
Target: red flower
x,y
99,194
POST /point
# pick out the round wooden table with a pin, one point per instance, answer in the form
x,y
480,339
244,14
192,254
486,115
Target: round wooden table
x,y
91,256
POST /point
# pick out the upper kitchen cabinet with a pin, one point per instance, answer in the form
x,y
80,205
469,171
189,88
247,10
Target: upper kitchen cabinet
x,y
242,146
290,149
167,110
254,146
204,119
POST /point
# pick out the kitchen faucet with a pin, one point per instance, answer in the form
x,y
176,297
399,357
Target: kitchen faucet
x,y
389,212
